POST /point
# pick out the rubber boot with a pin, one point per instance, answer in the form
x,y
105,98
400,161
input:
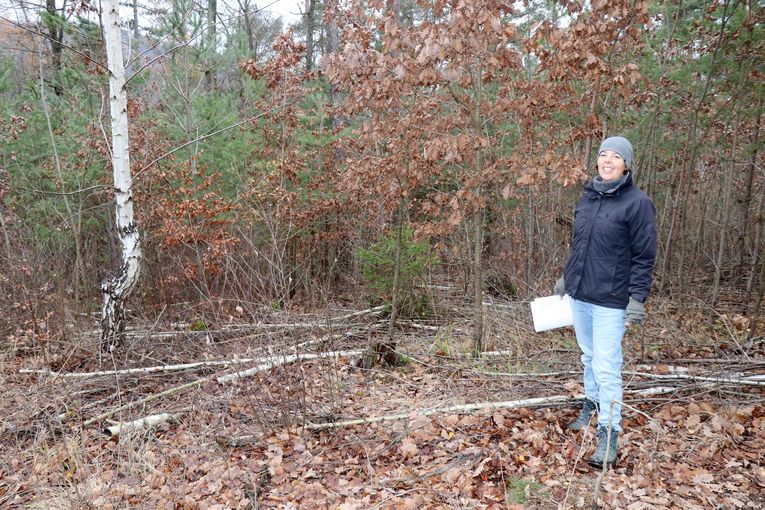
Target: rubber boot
x,y
585,415
606,448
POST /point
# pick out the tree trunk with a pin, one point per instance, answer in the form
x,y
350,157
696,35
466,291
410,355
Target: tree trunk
x,y
310,27
212,13
591,112
727,192
117,289
531,239
136,32
760,294
759,247
333,46
478,280
671,208
6,237
478,228
74,219
55,38
746,200
247,18
692,144
388,350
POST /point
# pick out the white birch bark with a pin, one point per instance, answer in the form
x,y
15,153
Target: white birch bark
x,y
118,288
140,424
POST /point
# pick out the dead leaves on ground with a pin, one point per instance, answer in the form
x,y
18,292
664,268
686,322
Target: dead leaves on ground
x,y
691,455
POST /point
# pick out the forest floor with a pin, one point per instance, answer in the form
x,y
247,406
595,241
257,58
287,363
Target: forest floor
x,y
694,417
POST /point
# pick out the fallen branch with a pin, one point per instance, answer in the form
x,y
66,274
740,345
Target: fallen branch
x,y
664,368
369,311
146,400
275,361
736,381
140,424
456,409
707,361
753,380
658,390
483,354
172,368
527,375
142,370
513,306
234,441
338,336
417,325
183,328
685,371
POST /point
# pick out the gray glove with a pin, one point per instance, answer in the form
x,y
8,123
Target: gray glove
x,y
560,287
635,312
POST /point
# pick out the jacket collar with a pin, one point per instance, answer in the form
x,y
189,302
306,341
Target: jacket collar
x,y
623,183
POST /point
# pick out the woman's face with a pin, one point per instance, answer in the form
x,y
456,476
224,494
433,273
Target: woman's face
x,y
610,165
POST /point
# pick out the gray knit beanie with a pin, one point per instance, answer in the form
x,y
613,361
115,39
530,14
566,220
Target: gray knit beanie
x,y
621,146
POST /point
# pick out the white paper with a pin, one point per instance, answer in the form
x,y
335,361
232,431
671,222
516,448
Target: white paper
x,y
551,312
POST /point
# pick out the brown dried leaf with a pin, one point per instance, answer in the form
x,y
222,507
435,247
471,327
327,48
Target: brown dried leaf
x,y
408,448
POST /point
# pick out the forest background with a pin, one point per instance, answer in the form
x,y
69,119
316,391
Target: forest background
x,y
372,153
260,176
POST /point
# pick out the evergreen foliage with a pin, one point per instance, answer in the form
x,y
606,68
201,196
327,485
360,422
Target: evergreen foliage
x,y
417,260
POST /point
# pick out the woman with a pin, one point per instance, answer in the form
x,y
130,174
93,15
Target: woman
x,y
608,276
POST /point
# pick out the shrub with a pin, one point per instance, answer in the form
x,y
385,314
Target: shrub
x,y
378,268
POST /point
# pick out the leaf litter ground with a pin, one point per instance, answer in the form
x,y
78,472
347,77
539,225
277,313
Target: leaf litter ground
x,y
249,444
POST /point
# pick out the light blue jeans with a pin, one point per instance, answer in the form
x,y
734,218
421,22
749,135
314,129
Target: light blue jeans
x,y
599,332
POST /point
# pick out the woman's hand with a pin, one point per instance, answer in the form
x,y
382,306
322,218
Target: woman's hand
x,y
560,287
635,313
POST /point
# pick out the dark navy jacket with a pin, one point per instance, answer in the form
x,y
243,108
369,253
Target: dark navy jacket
x,y
614,246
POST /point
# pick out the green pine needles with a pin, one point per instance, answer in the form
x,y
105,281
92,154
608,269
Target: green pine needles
x,y
378,265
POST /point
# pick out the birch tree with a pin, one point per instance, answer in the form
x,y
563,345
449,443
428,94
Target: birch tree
x,y
116,290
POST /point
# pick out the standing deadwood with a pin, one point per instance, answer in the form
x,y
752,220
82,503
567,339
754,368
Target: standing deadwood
x,y
116,290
